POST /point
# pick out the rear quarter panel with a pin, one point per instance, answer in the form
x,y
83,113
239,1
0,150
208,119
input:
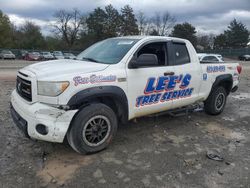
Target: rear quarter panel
x,y
210,71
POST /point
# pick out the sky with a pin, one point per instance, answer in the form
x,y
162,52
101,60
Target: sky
x,y
208,16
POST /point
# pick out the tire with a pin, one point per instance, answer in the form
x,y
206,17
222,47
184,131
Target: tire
x,y
216,101
89,125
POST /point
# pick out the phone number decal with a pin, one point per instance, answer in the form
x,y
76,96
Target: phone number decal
x,y
220,68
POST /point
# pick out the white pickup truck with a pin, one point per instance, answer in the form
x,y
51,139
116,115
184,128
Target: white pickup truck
x,y
114,81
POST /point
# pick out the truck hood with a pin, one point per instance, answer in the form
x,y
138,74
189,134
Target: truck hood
x,y
63,66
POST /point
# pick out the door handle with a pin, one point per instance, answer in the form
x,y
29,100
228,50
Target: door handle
x,y
168,73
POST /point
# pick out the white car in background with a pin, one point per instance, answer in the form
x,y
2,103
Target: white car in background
x,y
7,54
47,56
69,56
58,55
210,57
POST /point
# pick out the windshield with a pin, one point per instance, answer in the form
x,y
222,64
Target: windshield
x,y
109,51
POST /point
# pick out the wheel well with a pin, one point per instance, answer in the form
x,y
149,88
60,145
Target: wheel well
x,y
227,85
119,109
112,96
225,81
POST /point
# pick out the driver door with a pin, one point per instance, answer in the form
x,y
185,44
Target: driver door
x,y
146,82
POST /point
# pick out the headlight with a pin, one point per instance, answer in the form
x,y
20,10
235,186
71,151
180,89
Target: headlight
x,y
51,89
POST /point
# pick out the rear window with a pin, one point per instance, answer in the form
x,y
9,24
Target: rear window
x,y
209,58
181,54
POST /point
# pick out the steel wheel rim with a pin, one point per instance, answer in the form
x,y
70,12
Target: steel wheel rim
x,y
96,130
219,101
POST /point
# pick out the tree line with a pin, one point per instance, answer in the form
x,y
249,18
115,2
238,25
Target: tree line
x,y
73,30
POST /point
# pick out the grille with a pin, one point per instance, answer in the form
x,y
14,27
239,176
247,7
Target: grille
x,y
23,88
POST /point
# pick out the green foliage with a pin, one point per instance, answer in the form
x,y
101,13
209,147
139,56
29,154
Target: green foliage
x,y
236,36
31,36
5,31
186,31
53,43
28,36
108,22
220,41
73,31
103,23
129,25
95,23
113,21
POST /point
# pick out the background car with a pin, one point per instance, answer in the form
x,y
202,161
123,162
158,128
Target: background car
x,y
33,56
210,57
58,55
23,53
7,54
244,57
47,56
69,56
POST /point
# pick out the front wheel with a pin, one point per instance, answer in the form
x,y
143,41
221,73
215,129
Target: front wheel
x,y
216,101
92,129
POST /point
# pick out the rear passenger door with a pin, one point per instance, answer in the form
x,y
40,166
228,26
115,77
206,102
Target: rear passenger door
x,y
188,72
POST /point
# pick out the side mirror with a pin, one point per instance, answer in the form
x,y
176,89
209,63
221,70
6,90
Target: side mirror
x,y
145,60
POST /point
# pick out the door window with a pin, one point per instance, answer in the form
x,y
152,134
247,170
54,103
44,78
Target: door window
x,y
156,48
181,54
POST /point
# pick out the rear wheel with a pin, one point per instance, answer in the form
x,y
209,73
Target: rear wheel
x,y
92,129
216,101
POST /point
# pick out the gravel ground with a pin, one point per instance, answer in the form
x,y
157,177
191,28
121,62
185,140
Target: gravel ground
x,y
157,151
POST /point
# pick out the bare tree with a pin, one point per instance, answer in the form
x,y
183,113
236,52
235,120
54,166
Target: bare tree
x,y
68,25
168,22
205,41
163,23
157,22
148,27
142,20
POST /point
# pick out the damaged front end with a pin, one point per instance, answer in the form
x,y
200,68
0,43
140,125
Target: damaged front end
x,y
40,121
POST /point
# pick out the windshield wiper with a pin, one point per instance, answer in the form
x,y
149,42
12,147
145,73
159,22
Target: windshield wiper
x,y
90,59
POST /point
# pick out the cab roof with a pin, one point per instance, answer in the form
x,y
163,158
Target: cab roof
x,y
140,37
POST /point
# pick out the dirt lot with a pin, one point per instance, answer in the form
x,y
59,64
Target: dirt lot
x,y
159,151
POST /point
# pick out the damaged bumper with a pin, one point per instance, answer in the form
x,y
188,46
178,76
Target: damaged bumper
x,y
40,121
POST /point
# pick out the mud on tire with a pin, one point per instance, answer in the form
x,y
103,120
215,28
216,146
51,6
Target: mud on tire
x,y
92,129
216,101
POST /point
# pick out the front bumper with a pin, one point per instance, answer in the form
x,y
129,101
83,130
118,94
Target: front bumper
x,y
28,116
19,121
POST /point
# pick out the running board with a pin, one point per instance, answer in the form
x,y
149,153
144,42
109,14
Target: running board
x,y
184,111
